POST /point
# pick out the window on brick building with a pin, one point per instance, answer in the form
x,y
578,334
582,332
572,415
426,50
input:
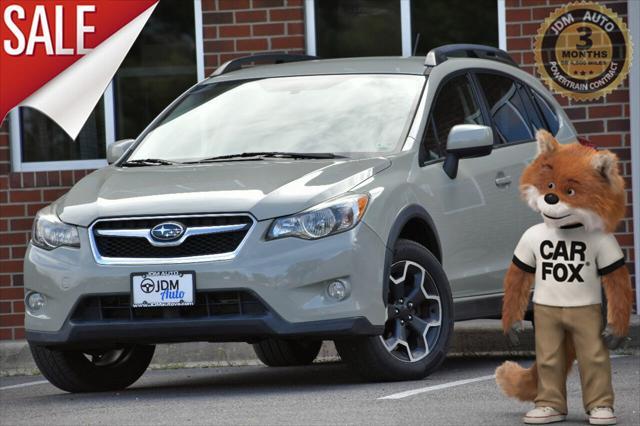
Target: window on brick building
x,y
159,67
357,28
438,22
43,140
337,28
161,64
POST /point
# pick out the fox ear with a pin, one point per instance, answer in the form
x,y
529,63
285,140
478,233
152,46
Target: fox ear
x,y
606,164
546,142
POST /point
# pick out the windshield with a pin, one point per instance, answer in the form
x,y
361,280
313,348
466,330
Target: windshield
x,y
341,114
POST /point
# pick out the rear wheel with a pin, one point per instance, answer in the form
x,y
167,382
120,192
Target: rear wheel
x,y
420,321
283,353
93,371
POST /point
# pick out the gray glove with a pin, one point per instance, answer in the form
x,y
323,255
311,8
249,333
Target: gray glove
x,y
610,339
514,332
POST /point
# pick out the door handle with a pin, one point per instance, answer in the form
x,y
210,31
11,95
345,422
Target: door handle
x,y
502,180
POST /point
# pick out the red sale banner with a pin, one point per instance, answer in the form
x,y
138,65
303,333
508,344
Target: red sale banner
x,y
58,56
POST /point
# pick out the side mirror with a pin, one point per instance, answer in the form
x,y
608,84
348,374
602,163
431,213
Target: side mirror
x,y
117,149
466,141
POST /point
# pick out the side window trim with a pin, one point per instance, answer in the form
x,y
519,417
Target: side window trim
x,y
535,95
524,90
526,111
498,139
537,107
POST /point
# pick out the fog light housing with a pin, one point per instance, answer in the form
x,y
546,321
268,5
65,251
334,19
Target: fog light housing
x,y
36,301
338,290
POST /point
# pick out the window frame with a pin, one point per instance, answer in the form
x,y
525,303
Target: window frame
x,y
15,120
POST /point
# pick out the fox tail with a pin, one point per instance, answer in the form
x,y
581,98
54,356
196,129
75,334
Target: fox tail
x,y
518,382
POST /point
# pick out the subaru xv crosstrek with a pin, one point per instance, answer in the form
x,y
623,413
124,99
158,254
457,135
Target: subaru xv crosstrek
x,y
368,201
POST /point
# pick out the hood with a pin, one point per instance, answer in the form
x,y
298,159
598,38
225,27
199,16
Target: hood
x,y
267,188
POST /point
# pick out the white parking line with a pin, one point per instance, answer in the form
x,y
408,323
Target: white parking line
x,y
405,394
23,385
418,391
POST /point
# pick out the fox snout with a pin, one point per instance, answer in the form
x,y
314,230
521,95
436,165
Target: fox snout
x,y
551,198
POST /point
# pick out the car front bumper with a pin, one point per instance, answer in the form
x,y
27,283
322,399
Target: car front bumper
x,y
83,336
288,276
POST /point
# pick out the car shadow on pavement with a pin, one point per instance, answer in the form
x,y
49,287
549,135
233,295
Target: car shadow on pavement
x,y
248,380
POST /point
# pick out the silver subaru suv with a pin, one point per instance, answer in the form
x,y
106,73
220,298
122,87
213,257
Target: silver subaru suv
x,y
368,201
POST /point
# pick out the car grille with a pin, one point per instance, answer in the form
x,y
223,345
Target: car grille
x,y
207,305
205,246
197,245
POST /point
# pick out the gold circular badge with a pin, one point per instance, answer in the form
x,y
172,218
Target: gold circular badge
x,y
583,51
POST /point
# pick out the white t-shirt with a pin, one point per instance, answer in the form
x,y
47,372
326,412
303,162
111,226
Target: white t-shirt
x,y
568,263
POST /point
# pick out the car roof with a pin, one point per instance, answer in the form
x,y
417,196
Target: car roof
x,y
411,65
367,65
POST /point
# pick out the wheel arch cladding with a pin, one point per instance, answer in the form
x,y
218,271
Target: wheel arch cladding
x,y
412,223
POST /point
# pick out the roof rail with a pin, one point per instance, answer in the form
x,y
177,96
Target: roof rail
x,y
440,54
268,58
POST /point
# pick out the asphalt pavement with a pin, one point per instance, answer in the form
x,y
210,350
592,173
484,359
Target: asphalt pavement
x,y
462,392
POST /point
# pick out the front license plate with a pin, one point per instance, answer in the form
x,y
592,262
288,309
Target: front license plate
x,y
168,288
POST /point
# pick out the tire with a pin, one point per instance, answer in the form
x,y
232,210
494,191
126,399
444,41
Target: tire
x,y
389,357
94,371
284,353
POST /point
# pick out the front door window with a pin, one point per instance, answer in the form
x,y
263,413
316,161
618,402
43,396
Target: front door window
x,y
455,104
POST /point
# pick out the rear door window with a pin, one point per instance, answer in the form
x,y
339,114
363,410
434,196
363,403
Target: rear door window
x,y
455,104
511,110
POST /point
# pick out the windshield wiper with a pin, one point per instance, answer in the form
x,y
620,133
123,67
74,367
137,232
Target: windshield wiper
x,y
148,162
270,154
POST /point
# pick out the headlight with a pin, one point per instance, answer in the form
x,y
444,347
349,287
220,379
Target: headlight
x,y
331,217
49,232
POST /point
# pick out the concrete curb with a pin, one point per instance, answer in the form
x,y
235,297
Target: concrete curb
x,y
471,338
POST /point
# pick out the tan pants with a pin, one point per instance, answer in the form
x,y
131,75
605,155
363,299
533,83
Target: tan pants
x,y
583,325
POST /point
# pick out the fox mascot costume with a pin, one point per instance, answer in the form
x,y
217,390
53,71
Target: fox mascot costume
x,y
570,257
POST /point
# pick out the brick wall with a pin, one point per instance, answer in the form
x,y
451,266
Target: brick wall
x,y
231,28
21,196
604,122
234,28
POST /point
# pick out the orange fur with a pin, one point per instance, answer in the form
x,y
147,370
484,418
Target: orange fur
x,y
617,288
598,186
518,382
517,287
572,167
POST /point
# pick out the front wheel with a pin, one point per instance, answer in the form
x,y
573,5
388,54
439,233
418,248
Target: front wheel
x,y
419,323
95,370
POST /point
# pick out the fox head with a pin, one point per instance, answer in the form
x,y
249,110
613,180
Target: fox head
x,y
571,184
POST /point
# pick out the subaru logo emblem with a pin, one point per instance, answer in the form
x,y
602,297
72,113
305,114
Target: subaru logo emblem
x,y
167,231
